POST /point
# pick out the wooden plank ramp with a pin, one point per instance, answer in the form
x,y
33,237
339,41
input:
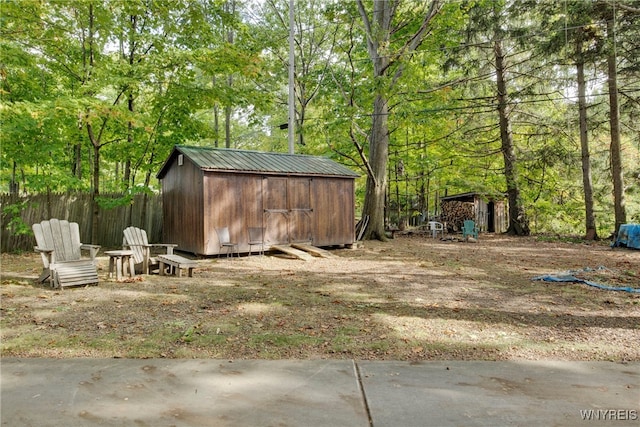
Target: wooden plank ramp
x,y
313,250
292,251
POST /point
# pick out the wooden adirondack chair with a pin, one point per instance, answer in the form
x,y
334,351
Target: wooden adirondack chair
x,y
135,239
469,229
59,245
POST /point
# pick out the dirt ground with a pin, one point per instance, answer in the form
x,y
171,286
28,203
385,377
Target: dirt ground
x,y
412,298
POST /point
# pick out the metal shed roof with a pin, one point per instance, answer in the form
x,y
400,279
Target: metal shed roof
x,y
232,160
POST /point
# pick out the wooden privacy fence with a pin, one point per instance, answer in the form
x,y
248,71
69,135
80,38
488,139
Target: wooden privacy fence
x,y
20,212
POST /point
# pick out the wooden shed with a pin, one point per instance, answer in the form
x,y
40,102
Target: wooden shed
x,y
295,198
488,211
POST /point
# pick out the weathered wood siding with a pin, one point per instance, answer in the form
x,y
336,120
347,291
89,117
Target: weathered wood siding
x,y
276,210
234,201
182,206
291,209
19,212
334,211
490,214
501,217
301,213
481,214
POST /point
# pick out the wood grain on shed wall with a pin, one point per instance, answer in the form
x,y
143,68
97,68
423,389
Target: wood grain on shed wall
x,y
301,214
276,210
334,211
183,206
231,200
501,218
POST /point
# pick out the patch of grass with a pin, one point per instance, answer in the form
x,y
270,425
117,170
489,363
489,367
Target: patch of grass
x,y
209,339
175,324
155,345
63,341
282,340
104,341
378,346
559,238
22,342
451,264
344,338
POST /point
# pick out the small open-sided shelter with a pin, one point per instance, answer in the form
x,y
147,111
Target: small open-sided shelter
x,y
488,211
294,198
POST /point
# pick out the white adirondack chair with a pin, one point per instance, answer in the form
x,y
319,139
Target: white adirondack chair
x,y
135,239
59,245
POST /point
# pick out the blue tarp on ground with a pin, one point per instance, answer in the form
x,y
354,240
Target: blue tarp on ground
x,y
628,236
570,277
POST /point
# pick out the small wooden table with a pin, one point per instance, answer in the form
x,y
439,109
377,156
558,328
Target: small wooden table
x,y
121,260
177,263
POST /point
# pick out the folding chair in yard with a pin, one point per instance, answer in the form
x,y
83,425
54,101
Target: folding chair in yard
x,y
225,241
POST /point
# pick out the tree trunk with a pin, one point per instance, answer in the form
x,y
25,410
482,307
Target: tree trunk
x,y
227,120
378,35
77,160
614,125
95,187
587,184
216,125
145,203
378,159
95,141
518,223
230,7
216,118
374,200
127,181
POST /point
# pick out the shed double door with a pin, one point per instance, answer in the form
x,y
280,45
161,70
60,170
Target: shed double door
x,y
287,210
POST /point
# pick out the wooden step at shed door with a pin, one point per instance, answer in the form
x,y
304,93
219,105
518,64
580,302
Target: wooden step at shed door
x,y
292,251
313,250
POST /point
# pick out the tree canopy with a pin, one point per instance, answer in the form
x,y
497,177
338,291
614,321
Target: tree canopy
x,y
425,99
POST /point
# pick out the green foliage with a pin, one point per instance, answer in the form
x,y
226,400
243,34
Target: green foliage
x,y
124,200
12,220
144,76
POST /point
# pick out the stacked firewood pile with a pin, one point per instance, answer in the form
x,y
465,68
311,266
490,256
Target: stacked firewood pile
x,y
454,213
